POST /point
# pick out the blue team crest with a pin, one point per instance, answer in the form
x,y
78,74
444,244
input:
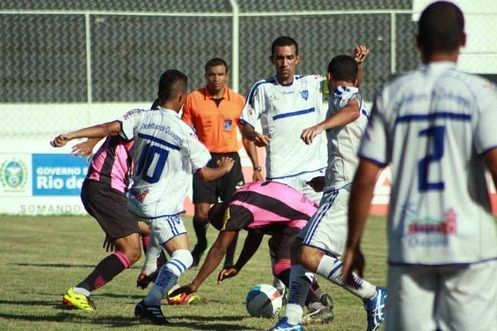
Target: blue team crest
x,y
304,94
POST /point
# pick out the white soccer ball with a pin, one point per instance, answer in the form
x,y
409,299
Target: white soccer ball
x,y
263,300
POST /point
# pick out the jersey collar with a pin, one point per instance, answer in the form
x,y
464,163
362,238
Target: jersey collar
x,y
167,110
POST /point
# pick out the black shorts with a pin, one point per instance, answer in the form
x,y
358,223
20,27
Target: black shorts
x,y
109,207
223,187
280,244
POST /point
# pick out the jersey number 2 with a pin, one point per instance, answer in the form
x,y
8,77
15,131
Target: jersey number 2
x,y
148,155
435,135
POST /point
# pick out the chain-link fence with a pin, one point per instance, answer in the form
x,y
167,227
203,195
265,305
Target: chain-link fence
x,y
69,51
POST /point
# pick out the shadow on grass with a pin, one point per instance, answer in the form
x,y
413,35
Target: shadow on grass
x,y
55,265
68,317
197,322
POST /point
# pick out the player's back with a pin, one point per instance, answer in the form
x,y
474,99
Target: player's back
x,y
265,204
441,210
284,111
343,142
163,152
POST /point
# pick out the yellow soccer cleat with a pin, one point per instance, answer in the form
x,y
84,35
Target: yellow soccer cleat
x,y
78,301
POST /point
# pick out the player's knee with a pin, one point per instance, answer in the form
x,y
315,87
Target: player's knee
x,y
184,257
310,257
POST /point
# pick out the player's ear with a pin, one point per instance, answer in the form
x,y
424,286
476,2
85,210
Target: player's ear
x,y
271,58
462,43
298,58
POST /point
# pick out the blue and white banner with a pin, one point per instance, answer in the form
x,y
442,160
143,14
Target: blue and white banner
x,y
58,174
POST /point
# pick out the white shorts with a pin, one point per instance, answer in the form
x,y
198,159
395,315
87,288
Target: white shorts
x,y
300,184
166,227
327,228
425,298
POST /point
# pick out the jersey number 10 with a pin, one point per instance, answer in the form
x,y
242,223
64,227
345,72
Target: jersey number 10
x,y
145,162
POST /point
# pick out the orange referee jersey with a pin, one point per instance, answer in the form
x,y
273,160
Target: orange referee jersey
x,y
215,123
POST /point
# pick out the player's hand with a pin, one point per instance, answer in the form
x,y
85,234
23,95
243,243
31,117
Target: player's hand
x,y
187,289
257,176
317,183
226,163
353,260
83,149
360,53
143,280
60,140
227,272
308,134
108,245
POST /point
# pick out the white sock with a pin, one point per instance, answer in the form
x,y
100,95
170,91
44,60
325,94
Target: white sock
x,y
181,260
300,283
80,290
331,268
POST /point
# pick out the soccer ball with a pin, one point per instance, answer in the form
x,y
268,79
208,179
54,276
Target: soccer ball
x,y
263,300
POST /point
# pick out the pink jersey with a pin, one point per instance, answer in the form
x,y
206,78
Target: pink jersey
x,y
112,163
268,205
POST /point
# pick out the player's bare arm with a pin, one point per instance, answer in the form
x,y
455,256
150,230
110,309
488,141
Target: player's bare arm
x,y
85,148
359,54
491,160
344,116
214,257
359,203
224,165
251,150
95,131
252,243
260,140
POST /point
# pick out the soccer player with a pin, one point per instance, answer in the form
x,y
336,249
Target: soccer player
x,y
104,197
166,150
214,112
261,208
436,126
323,239
285,104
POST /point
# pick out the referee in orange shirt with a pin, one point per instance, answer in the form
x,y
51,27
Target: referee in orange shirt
x,y
214,112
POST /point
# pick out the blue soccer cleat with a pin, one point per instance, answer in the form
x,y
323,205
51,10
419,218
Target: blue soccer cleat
x,y
375,309
283,325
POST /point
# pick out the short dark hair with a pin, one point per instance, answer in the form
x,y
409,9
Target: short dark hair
x,y
216,214
343,67
284,41
440,27
171,83
214,62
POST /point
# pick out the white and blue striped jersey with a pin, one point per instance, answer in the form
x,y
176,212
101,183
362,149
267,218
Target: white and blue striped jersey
x,y
343,142
166,152
433,124
284,112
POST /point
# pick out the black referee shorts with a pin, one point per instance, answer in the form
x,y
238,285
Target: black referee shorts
x,y
223,187
109,207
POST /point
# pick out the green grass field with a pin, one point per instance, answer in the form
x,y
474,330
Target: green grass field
x,y
42,256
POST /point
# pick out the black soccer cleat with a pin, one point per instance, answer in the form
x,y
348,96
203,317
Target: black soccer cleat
x,y
151,313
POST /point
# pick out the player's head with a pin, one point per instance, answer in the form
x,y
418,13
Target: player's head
x,y
216,214
440,30
285,57
342,68
216,75
172,89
